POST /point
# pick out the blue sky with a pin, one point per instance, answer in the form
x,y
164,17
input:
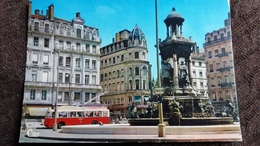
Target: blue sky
x,y
112,16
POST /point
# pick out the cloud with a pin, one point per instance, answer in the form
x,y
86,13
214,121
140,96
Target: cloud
x,y
104,11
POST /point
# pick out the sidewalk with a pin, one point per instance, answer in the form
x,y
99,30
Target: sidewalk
x,y
56,135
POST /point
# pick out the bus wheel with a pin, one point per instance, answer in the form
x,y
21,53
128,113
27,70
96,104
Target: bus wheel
x,y
61,124
94,122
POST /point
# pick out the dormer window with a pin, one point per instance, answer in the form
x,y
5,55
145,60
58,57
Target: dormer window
x,y
78,33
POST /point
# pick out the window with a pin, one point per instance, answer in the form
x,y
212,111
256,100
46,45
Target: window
x,y
44,94
215,37
32,94
143,53
216,52
93,64
44,76
46,43
68,45
60,77
209,54
223,50
144,70
78,33
101,78
67,78
77,62
87,48
94,78
78,46
35,58
67,61
201,84
87,63
109,61
136,70
86,79
193,63
36,26
122,57
200,64
137,84
217,65
34,76
195,84
46,59
94,49
77,80
200,74
60,61
114,60
61,44
222,35
36,41
144,84
77,98
47,28
118,74
211,68
194,73
209,39
136,55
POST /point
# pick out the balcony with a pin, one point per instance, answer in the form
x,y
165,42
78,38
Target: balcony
x,y
40,30
216,41
225,69
223,54
225,84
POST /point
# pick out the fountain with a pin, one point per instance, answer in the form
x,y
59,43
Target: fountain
x,y
182,104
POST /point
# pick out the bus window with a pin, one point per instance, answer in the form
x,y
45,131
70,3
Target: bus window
x,y
105,114
72,114
63,114
80,114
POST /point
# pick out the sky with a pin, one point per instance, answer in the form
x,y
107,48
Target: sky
x,y
112,16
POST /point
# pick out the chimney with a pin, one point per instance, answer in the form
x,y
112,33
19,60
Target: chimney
x,y
51,12
117,37
113,40
30,9
37,12
78,14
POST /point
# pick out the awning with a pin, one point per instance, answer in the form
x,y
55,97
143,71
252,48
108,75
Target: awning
x,y
137,98
36,111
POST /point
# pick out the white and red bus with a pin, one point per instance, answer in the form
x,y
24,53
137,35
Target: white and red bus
x,y
74,115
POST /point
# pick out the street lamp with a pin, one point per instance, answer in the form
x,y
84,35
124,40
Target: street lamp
x,y
57,92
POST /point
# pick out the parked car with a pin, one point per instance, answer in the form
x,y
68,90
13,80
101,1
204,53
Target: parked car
x,y
123,121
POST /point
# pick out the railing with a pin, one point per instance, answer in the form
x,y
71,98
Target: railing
x,y
223,54
225,69
225,84
216,41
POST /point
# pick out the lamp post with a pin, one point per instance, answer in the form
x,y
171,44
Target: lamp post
x,y
57,92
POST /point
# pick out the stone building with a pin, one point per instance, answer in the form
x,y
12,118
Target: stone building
x,y
62,56
219,62
125,72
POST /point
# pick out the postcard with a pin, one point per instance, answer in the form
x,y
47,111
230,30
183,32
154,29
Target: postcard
x,y
137,71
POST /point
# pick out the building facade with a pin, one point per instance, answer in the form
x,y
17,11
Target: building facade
x,y
220,65
125,72
62,57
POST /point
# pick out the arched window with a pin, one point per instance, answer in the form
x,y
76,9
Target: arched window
x,y
144,70
136,70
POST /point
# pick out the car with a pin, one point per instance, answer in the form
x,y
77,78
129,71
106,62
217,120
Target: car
x,y
123,121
